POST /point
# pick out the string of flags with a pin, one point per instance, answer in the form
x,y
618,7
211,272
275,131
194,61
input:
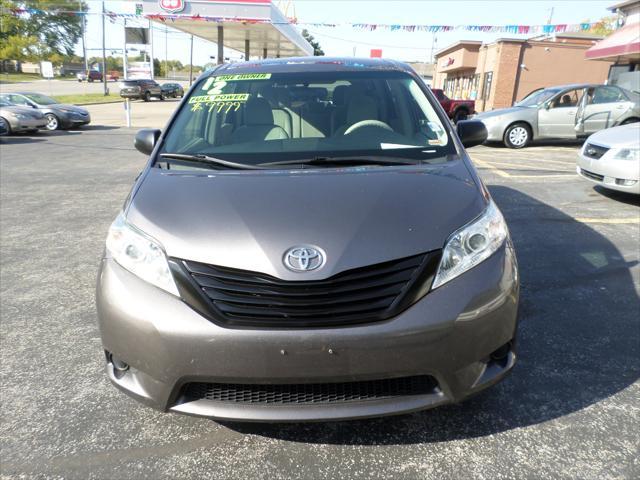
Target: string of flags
x,y
513,29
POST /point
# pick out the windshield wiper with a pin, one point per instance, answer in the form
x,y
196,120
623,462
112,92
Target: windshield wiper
x,y
207,160
342,161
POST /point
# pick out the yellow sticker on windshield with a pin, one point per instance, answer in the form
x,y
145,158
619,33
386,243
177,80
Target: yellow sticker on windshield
x,y
223,97
207,84
225,101
243,76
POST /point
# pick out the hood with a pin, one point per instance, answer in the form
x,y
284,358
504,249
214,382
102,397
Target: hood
x,y
31,112
247,220
499,112
624,136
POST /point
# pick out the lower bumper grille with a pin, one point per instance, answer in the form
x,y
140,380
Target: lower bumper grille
x,y
591,175
312,393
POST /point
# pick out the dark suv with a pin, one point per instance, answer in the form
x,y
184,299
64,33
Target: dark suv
x,y
143,89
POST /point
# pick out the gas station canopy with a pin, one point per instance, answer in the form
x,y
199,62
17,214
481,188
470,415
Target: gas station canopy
x,y
255,27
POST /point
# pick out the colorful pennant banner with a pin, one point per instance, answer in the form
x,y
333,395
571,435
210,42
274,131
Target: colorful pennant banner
x,y
513,29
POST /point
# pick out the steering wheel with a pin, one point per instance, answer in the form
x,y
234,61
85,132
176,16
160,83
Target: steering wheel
x,y
367,123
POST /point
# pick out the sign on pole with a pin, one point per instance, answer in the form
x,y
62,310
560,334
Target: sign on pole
x,y
46,69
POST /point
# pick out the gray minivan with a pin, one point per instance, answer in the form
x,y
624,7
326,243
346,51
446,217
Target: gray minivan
x,y
308,241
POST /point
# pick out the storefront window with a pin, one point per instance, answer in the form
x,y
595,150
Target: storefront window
x,y
475,83
625,76
486,87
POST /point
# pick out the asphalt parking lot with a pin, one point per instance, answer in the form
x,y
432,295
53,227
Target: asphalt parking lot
x,y
571,408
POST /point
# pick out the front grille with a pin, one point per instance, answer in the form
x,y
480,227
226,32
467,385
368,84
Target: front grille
x,y
240,297
594,151
308,393
591,175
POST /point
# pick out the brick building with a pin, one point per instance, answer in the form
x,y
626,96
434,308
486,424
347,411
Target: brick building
x,y
498,74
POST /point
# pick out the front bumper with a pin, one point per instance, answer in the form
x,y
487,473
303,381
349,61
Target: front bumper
x,y
68,121
495,129
448,335
610,173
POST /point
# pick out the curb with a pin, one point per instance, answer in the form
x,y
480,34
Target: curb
x,y
97,103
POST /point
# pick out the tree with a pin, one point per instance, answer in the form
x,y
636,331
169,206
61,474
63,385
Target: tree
x,y
604,26
33,30
317,50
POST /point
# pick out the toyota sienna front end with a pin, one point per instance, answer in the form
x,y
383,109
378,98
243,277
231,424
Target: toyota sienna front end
x,y
308,241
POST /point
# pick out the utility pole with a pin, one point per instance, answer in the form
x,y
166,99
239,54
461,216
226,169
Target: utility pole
x,y
166,50
125,60
151,48
84,47
191,63
434,40
104,56
550,17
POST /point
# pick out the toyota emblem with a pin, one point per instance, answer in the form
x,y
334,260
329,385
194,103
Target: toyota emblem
x,y
303,258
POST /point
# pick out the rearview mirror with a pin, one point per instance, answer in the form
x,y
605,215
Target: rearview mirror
x,y
146,139
471,132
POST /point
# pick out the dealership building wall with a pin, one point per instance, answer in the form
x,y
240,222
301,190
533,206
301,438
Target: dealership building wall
x,y
498,74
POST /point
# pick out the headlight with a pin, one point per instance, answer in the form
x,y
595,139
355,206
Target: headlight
x,y
472,244
627,154
140,254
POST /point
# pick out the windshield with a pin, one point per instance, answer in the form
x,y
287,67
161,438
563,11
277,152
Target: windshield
x,y
538,98
5,103
269,117
40,99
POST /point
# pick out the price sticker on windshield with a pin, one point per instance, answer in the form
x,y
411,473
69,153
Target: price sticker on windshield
x,y
219,102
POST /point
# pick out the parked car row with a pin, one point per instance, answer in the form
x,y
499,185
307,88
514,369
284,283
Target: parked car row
x,y
30,111
146,89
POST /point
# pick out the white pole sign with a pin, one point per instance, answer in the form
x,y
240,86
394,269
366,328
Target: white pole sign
x,y
46,69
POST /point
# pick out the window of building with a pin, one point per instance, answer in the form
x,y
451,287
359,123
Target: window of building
x,y
486,87
475,84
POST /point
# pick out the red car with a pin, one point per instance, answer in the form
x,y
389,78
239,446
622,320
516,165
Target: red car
x,y
456,109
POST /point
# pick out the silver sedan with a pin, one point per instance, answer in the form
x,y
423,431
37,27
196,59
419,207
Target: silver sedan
x,y
569,111
611,158
21,119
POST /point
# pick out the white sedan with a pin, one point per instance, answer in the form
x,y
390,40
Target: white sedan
x,y
611,158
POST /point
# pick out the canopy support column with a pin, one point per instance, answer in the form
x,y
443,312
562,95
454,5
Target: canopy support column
x,y
247,49
220,44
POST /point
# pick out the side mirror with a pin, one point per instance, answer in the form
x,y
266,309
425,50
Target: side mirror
x,y
146,139
471,132
547,105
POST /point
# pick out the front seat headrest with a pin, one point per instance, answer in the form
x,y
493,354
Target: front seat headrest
x,y
258,112
361,107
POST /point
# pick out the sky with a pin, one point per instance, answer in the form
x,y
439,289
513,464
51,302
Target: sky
x,y
345,40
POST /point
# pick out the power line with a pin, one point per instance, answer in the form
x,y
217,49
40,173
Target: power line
x,y
367,43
